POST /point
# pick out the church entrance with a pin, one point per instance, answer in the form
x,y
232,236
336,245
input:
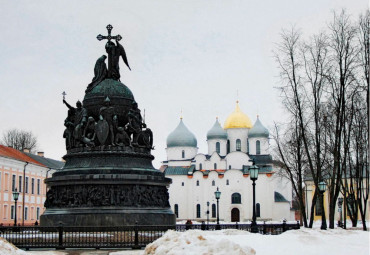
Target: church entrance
x,y
235,215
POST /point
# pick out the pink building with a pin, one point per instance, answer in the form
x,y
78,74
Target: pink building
x,y
25,172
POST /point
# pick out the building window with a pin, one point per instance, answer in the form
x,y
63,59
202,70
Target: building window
x,y
182,184
33,186
213,210
247,145
200,166
258,147
228,146
37,213
215,166
6,182
238,145
236,198
213,183
26,213
0,181
38,186
13,182
20,184
12,212
197,182
218,147
198,210
183,154
26,185
258,210
5,212
229,166
227,182
177,210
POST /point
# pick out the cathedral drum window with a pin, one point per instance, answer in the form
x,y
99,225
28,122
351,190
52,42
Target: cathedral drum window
x,y
238,145
218,147
258,147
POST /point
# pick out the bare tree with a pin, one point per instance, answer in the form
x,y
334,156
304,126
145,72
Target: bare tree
x,y
19,139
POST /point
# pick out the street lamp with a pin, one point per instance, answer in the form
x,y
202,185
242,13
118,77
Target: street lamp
x,y
340,202
218,195
207,214
15,197
253,171
322,189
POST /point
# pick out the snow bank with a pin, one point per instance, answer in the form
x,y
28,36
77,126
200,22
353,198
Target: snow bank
x,y
7,248
197,242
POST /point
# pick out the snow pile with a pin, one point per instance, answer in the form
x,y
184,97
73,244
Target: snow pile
x,y
7,248
198,242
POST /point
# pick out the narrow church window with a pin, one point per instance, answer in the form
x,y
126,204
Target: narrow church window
x,y
200,166
198,210
197,182
229,166
258,210
236,198
238,145
215,166
228,146
213,183
182,184
227,182
258,147
183,154
177,210
213,210
247,145
218,147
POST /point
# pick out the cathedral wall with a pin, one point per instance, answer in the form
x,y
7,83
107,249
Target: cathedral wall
x,y
175,153
237,133
212,146
237,159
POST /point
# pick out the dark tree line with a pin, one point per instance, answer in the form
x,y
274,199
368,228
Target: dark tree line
x,y
325,91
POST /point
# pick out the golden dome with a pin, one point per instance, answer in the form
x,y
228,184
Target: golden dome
x,y
237,119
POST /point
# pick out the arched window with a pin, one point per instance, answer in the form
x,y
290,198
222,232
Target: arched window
x,y
238,145
182,184
213,183
247,145
258,147
218,147
200,166
236,198
227,182
198,210
197,182
183,154
228,146
177,210
229,166
215,166
213,210
258,210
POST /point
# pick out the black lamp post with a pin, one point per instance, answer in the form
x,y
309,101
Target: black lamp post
x,y
218,195
322,189
253,171
15,197
340,203
207,214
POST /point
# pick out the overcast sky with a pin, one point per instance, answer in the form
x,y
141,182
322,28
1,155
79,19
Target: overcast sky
x,y
189,56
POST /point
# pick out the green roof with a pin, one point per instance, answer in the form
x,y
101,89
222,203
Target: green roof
x,y
279,197
179,170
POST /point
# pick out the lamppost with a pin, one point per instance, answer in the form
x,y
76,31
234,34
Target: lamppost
x,y
15,197
253,171
207,214
340,202
322,189
218,195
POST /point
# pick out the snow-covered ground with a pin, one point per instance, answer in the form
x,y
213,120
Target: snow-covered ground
x,y
229,242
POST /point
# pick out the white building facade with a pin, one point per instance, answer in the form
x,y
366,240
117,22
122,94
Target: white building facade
x,y
231,151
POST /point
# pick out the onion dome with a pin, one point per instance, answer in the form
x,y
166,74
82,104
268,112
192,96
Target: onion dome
x,y
258,130
237,119
216,132
181,137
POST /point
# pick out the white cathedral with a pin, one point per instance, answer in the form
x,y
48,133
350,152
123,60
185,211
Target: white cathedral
x,y
231,151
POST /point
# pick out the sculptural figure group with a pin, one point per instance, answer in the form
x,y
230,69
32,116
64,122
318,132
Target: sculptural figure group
x,y
83,130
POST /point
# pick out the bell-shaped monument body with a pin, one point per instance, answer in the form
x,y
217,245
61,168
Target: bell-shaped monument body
x,y
108,178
